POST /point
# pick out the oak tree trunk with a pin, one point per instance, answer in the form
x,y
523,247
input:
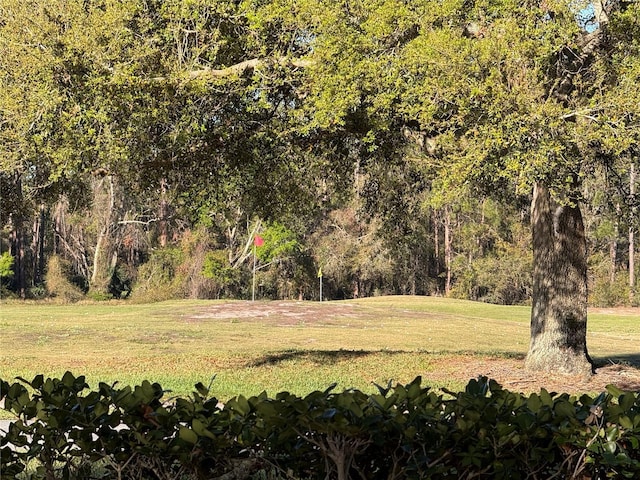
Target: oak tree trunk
x,y
559,310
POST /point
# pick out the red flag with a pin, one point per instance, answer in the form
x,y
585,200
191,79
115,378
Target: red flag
x,y
258,241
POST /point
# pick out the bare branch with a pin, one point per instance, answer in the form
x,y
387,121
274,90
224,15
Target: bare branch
x,y
582,113
241,68
138,222
247,251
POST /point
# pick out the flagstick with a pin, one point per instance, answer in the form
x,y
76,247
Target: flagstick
x,y
320,287
253,288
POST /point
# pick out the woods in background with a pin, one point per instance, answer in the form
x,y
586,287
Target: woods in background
x,y
395,145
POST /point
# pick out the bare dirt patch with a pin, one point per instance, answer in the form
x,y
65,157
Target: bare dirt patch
x,y
282,313
507,371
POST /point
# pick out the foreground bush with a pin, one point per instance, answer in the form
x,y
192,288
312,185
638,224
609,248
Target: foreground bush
x,y
65,430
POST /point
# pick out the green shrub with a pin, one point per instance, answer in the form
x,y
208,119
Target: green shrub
x,y
58,283
6,265
159,278
98,296
503,279
402,431
38,292
219,270
6,274
603,293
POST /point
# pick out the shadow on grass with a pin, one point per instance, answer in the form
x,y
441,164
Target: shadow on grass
x,y
317,356
329,357
334,356
632,360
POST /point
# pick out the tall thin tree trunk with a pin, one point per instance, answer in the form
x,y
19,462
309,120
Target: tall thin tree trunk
x,y
559,310
18,253
101,256
435,267
59,226
436,235
414,272
632,263
17,243
163,213
37,245
448,254
613,247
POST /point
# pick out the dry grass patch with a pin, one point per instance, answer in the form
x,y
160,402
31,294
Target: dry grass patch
x,y
300,346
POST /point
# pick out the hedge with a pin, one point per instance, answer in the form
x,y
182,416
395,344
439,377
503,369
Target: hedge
x,y
65,430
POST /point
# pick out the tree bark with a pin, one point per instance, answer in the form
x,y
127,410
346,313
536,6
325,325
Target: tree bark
x,y
37,245
613,247
16,236
632,248
163,214
559,310
448,251
100,274
18,252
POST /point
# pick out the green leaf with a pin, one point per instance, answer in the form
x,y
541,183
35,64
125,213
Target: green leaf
x,y
627,401
48,386
201,389
610,447
145,392
200,429
545,397
239,405
534,403
615,391
37,382
565,409
187,435
414,391
625,422
266,409
613,433
100,409
68,379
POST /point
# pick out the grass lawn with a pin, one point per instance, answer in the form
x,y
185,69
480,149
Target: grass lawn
x,y
274,346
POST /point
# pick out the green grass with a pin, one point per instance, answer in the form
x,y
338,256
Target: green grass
x,y
274,346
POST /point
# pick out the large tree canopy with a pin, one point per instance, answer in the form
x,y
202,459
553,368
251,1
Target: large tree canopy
x,y
503,96
276,108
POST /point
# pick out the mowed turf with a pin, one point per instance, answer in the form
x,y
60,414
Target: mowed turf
x,y
274,346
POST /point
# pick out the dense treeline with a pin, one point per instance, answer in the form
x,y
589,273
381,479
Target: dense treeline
x,y
143,145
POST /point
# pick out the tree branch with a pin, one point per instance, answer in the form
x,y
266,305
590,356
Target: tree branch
x,y
582,113
571,63
138,222
241,68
